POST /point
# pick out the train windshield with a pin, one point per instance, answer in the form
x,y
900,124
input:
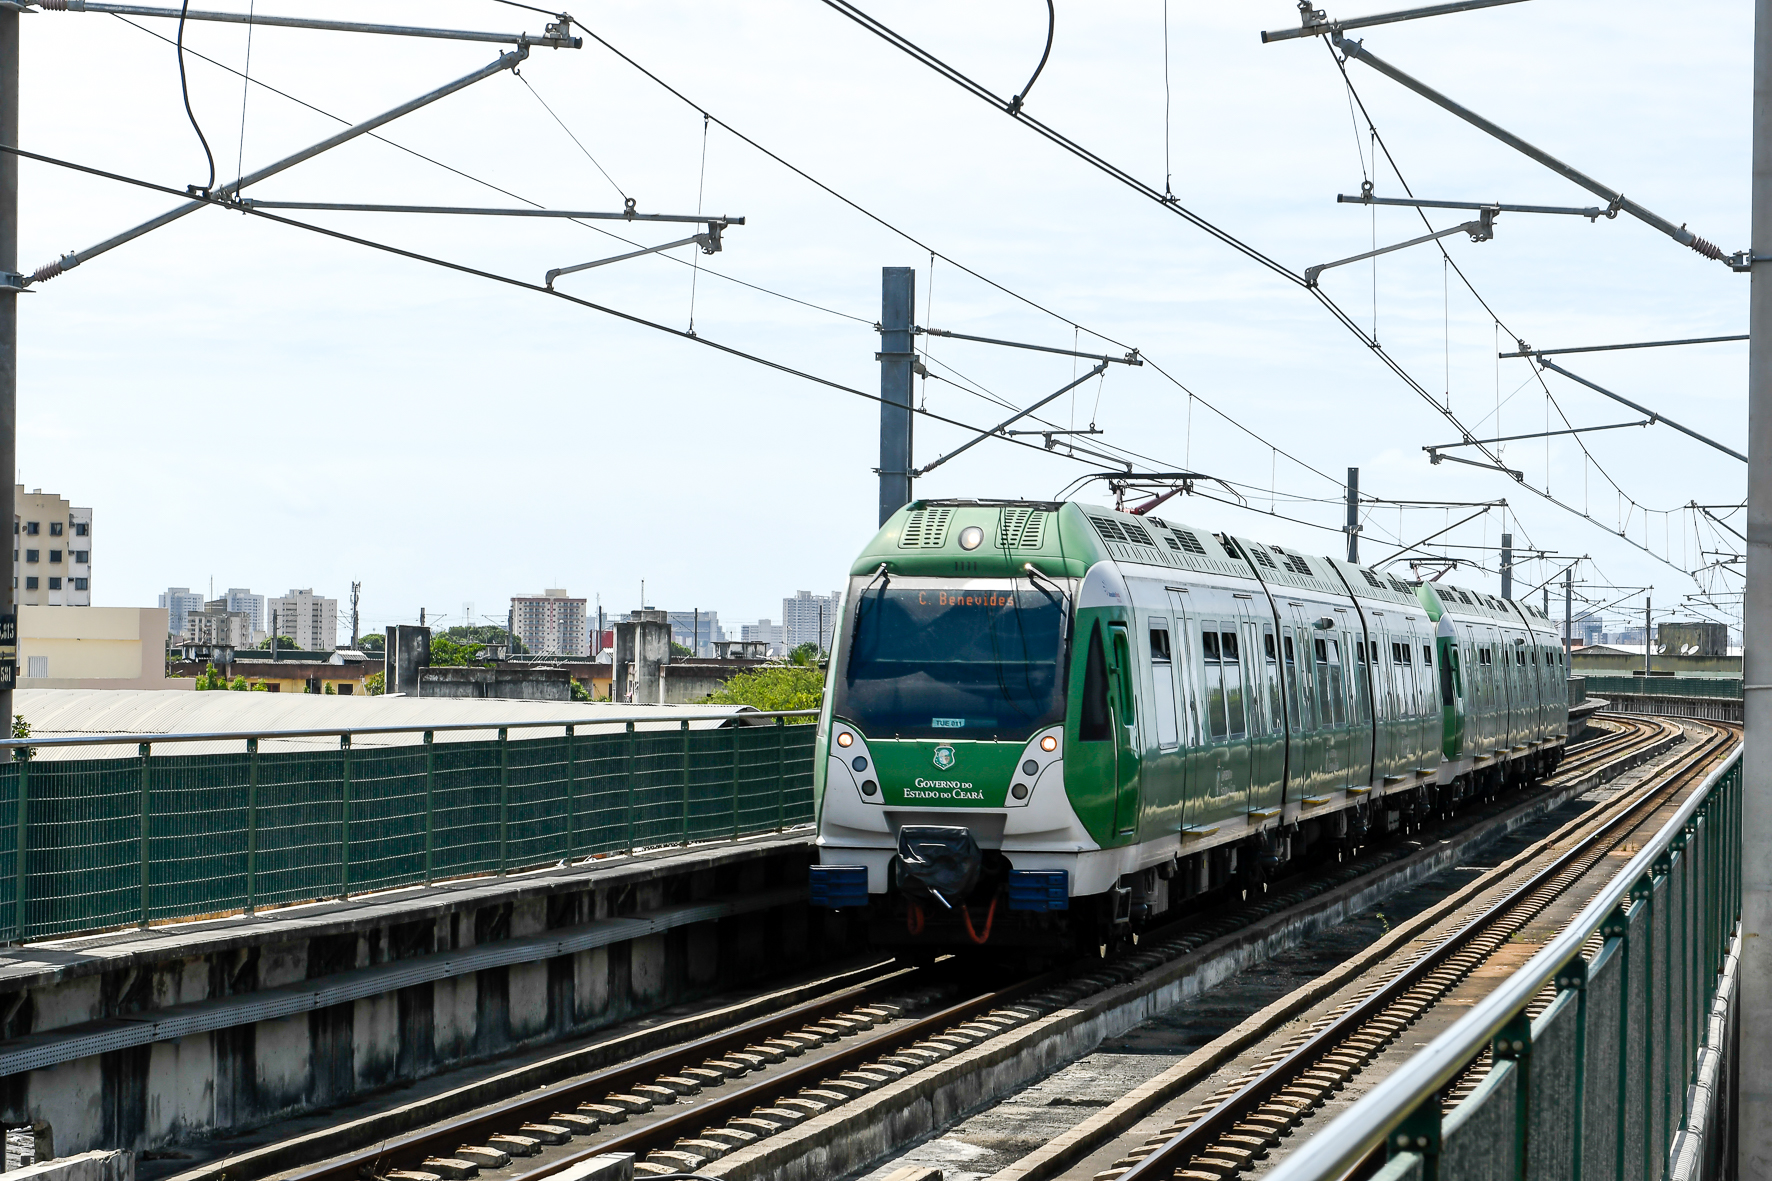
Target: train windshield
x,y
980,659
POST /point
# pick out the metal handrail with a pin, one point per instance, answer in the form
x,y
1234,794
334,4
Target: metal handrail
x,y
1371,1120
435,728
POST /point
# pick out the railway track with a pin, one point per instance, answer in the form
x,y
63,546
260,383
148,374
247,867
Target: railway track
x,y
679,1109
1235,1128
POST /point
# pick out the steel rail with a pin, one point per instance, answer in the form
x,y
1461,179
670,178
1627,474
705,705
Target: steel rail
x,y
1369,1122
668,720
537,1105
1234,1110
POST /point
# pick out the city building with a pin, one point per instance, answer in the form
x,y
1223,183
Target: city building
x,y
52,551
697,631
808,618
310,620
217,626
551,623
252,606
179,602
766,632
100,648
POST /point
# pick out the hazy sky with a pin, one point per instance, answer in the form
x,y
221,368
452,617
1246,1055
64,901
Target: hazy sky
x,y
271,408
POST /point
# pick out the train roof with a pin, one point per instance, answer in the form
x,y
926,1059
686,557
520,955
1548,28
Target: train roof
x,y
1066,537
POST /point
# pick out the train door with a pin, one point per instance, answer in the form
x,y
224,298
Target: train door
x,y
1184,640
1266,749
1366,734
1331,706
1123,701
1384,697
1307,738
1162,775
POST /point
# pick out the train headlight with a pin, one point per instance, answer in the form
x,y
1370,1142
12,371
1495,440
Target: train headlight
x,y
971,537
869,787
1019,791
1030,768
860,763
845,738
1049,743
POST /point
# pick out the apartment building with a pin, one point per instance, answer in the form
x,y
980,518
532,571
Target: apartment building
x,y
551,623
51,551
242,601
808,618
179,602
310,620
217,626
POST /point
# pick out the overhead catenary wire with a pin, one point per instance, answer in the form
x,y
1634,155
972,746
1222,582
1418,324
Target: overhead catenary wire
x,y
184,87
574,138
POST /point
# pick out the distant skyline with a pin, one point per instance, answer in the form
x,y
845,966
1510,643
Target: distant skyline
x,y
443,439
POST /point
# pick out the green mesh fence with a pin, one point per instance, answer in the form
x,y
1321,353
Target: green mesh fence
x,y
1598,686
163,836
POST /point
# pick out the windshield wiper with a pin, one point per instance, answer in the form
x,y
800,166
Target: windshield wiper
x,y
1064,596
861,601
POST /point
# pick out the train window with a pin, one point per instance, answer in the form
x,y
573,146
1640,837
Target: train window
x,y
1446,681
1233,684
1094,724
1520,655
1163,681
1325,710
1427,656
1209,642
1267,642
1337,688
1362,699
1275,713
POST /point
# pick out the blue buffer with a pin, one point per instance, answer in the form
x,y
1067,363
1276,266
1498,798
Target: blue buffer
x,y
1039,889
838,886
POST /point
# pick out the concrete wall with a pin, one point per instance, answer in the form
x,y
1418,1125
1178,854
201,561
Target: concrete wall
x,y
1581,661
408,650
506,682
642,647
254,1072
95,648
688,682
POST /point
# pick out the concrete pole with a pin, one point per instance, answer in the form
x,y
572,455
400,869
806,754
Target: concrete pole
x,y
1568,615
1648,633
1507,565
8,323
1753,1128
1353,515
898,293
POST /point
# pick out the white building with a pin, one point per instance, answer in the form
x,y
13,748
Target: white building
x,y
243,601
765,631
695,630
808,618
179,602
310,620
217,626
51,551
551,623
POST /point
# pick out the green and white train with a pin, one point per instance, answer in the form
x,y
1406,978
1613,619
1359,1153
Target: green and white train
x,y
1046,724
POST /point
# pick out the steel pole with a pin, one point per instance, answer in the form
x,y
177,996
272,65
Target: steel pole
x,y
8,325
898,292
1507,565
1568,617
1648,636
1353,515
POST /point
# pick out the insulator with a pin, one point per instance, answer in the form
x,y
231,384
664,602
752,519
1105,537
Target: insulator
x,y
1706,248
45,273
56,6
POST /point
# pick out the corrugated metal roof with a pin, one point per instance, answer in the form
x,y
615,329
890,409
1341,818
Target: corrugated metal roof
x,y
69,713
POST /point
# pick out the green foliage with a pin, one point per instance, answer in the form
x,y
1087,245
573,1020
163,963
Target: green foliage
x,y
372,643
579,692
447,652
210,679
486,635
772,688
261,687
681,649
328,689
805,655
375,684
20,727
238,684
282,642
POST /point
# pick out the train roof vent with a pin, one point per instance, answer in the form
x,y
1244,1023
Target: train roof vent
x,y
1230,547
1402,588
1020,528
1373,579
926,529
1190,542
1108,528
1135,532
1261,556
1294,562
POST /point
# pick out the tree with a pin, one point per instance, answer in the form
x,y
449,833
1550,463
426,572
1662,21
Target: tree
x,y
238,684
806,655
772,688
579,692
488,635
282,642
374,685
372,643
681,649
210,679
448,652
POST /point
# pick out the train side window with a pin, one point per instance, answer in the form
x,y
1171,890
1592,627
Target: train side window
x,y
1163,680
1325,711
1233,684
1446,680
1095,723
1362,700
1292,698
1427,656
1216,727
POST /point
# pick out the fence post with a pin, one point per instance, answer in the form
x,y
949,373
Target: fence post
x,y
504,797
344,746
142,825
430,814
251,825
571,791
630,779
685,727
781,773
23,756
